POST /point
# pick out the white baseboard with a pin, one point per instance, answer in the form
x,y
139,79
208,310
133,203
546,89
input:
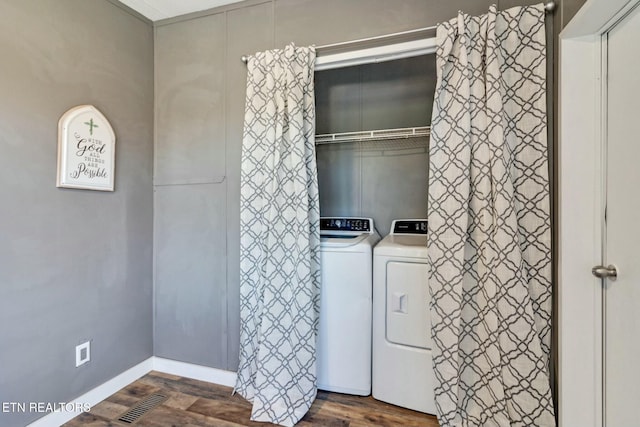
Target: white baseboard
x,y
196,372
96,395
167,366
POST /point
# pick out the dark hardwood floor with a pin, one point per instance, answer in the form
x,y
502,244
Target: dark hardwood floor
x,y
193,403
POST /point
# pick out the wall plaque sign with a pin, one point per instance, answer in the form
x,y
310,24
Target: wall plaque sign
x,y
86,150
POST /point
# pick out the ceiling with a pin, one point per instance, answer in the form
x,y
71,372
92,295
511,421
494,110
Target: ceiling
x,y
156,10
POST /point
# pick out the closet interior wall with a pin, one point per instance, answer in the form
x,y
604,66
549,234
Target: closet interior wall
x,y
383,179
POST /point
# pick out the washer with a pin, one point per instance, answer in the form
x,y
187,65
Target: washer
x,y
344,333
402,371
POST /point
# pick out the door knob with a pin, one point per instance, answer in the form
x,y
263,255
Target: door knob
x,y
602,272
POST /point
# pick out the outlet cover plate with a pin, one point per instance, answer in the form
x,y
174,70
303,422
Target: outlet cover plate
x,y
83,353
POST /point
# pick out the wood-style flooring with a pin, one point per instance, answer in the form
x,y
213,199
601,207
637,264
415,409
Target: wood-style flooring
x,y
193,403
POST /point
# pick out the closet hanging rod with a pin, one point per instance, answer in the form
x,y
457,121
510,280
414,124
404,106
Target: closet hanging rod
x,y
373,135
549,7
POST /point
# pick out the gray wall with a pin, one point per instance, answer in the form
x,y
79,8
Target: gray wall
x,y
567,9
60,283
200,87
75,265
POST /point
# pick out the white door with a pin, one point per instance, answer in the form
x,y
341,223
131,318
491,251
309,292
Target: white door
x,y
621,297
598,322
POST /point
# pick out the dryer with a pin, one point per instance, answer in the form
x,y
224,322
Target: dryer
x,y
344,333
402,370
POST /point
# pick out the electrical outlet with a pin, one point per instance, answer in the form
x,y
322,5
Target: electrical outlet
x,y
83,353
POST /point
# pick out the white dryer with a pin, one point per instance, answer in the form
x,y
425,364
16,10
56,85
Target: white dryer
x,y
344,333
402,371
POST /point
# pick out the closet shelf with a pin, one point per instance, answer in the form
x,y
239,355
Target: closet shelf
x,y
373,135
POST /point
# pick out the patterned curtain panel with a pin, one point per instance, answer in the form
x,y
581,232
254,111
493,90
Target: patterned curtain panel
x,y
279,237
489,222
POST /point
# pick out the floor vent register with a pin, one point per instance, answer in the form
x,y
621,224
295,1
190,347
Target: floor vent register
x,y
141,408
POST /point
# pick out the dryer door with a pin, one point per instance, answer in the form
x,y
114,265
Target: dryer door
x,y
408,321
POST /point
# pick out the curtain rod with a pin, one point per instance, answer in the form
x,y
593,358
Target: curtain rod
x,y
245,58
549,7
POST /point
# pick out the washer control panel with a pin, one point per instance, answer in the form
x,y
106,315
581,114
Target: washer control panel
x,y
409,226
362,225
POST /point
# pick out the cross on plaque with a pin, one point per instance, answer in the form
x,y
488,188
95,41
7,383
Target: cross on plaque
x,y
91,126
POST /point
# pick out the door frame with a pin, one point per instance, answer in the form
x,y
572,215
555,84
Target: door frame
x,y
582,135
